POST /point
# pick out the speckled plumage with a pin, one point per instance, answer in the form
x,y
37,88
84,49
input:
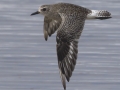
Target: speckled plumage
x,y
68,20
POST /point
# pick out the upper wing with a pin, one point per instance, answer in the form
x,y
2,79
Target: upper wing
x,y
67,55
50,26
67,45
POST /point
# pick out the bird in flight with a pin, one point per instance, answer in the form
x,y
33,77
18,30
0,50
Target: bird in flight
x,y
68,20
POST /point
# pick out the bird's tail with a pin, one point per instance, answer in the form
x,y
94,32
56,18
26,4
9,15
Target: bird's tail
x,y
99,14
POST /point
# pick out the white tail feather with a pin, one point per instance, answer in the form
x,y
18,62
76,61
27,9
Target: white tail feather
x,y
99,14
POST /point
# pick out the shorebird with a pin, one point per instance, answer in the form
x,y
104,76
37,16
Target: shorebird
x,y
68,20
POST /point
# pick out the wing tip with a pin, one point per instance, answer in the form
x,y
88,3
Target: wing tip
x,y
46,38
62,76
45,35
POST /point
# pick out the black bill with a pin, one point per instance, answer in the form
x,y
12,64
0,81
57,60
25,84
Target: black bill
x,y
35,13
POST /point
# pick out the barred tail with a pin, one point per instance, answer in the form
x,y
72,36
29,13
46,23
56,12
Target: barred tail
x,y
99,14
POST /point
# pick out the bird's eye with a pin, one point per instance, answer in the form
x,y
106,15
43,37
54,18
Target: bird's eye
x,y
44,9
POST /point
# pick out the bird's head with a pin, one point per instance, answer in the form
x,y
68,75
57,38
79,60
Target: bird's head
x,y
44,10
50,11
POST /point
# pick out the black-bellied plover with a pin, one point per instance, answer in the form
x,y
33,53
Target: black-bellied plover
x,y
68,20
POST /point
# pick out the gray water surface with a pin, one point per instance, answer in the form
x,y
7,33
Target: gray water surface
x,y
28,62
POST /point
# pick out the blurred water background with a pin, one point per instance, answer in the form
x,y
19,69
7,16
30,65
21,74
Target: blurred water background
x,y
28,62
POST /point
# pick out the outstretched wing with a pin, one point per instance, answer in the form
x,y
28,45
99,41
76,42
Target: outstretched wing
x,y
50,26
67,44
67,55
